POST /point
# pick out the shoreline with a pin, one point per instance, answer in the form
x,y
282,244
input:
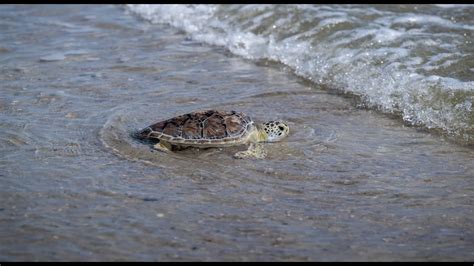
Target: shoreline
x,y
347,184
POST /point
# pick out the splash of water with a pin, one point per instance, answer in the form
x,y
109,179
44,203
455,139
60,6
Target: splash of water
x,y
412,61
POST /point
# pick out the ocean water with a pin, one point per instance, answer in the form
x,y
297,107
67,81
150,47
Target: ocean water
x,y
353,180
415,61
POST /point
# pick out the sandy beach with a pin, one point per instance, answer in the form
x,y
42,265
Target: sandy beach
x,y
349,183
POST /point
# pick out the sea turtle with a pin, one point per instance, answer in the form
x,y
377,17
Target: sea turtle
x,y
213,128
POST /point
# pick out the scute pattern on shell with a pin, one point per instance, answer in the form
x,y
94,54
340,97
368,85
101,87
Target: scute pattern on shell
x,y
203,126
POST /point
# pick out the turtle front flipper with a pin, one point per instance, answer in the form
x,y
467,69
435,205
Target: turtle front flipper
x,y
163,146
255,150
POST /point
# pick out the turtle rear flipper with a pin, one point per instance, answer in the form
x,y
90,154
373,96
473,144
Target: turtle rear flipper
x,y
163,146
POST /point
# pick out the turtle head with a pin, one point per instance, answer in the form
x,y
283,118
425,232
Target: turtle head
x,y
276,130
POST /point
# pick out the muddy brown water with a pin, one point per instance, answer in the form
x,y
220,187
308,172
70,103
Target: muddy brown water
x,y
347,184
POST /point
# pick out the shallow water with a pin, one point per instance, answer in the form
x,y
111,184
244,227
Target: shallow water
x,y
414,61
348,184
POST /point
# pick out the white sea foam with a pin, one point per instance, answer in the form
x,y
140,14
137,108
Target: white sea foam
x,y
396,61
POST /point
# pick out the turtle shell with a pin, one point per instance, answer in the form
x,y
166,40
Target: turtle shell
x,y
202,128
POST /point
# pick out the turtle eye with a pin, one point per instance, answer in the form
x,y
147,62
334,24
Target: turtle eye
x,y
281,128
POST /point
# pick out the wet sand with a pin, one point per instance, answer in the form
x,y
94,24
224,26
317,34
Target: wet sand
x,y
347,184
